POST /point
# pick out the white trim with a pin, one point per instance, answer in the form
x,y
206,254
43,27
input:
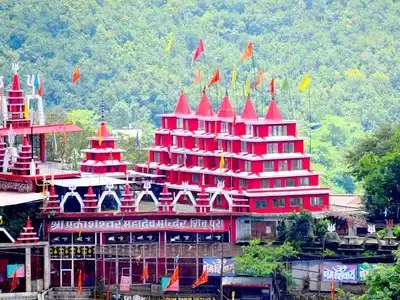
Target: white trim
x,y
71,194
186,193
103,196
227,197
7,234
140,196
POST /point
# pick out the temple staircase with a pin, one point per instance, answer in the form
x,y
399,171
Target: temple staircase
x,y
68,293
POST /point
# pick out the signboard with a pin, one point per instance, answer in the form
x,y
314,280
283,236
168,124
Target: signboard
x,y
19,268
339,272
188,237
16,186
125,284
364,269
138,225
213,266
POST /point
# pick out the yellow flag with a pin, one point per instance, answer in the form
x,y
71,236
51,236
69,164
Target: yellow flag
x,y
222,162
234,77
100,135
247,88
305,83
170,42
26,109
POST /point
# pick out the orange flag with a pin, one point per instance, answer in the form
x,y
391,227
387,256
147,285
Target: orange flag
x,y
234,119
260,78
145,274
215,78
173,284
197,78
248,52
40,89
272,88
76,75
80,283
14,283
201,280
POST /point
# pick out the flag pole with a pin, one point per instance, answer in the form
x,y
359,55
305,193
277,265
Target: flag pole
x,y
309,118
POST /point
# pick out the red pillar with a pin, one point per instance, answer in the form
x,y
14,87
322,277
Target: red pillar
x,y
42,147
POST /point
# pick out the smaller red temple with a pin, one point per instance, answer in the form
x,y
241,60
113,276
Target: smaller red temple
x,y
28,235
25,161
103,156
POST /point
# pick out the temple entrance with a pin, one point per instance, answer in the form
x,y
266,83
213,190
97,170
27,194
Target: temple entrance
x,y
72,205
66,278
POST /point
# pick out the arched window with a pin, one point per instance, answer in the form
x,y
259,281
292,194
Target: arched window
x,y
109,203
72,204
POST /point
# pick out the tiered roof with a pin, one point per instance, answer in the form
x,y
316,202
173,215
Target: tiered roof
x,y
249,112
28,235
182,107
15,105
25,161
204,109
273,112
226,109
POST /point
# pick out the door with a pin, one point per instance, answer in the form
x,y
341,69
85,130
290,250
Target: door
x,y
66,278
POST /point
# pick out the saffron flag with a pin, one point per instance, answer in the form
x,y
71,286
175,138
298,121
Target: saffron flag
x,y
247,88
138,258
197,78
100,135
272,88
199,51
234,118
14,283
54,142
260,78
40,90
26,109
215,78
145,273
173,284
222,161
305,83
170,43
201,280
234,74
76,75
80,279
248,52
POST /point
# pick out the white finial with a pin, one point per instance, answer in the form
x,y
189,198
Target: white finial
x,y
72,187
221,184
185,185
109,187
147,185
331,227
371,228
15,67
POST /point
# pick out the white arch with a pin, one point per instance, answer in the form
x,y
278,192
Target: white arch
x,y
140,196
227,197
186,193
107,193
71,194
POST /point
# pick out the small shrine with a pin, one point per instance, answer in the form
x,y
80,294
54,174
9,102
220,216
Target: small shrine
x,y
28,235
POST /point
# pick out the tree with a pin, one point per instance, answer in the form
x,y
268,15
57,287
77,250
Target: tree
x,y
265,260
383,282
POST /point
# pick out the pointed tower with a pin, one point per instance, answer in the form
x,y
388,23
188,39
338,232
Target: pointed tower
x,y
27,236
204,108
166,200
203,201
90,201
240,203
52,201
273,112
249,111
25,164
128,200
103,156
226,109
182,107
15,103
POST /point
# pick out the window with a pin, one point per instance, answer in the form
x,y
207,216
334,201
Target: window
x,y
304,181
195,177
228,146
249,129
243,183
297,164
156,156
268,166
244,146
272,148
296,202
283,165
288,147
219,144
261,203
186,126
289,182
174,140
249,147
201,125
279,202
316,201
210,127
277,183
179,159
277,130
224,127
196,142
200,161
247,166
179,123
265,183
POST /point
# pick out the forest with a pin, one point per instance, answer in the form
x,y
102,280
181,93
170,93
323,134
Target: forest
x,y
350,49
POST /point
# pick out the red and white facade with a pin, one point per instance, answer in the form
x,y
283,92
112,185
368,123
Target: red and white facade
x,y
264,159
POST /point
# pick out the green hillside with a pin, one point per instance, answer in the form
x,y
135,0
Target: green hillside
x,y
349,48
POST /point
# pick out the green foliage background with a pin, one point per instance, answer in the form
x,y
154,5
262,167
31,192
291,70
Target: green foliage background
x,y
350,49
